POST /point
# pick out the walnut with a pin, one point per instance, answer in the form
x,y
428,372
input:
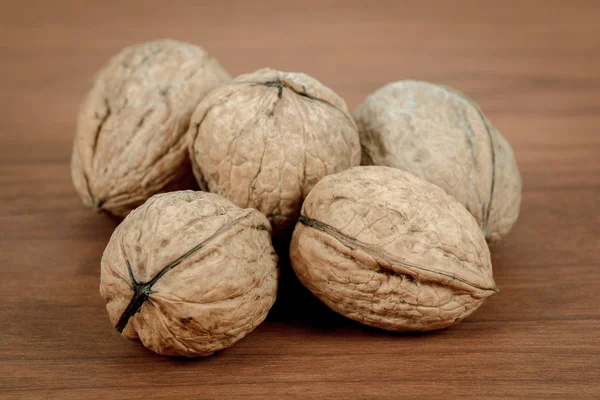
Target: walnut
x,y
390,250
266,138
130,141
440,135
189,273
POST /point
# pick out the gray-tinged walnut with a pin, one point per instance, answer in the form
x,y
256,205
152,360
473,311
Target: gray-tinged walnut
x,y
391,250
130,141
189,273
266,138
440,135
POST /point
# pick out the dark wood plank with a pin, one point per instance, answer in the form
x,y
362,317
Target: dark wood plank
x,y
534,68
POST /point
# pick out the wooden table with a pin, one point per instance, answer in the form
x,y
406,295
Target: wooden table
x,y
533,66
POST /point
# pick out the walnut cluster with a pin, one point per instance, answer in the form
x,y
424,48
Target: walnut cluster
x,y
400,243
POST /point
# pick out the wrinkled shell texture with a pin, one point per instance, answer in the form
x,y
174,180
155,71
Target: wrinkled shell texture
x,y
266,138
390,250
213,268
130,141
440,135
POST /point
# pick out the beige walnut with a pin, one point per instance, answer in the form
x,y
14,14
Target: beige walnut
x,y
266,138
130,141
189,273
440,135
391,250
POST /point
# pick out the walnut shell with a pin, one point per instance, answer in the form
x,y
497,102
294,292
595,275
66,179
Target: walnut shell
x,y
440,135
390,250
266,138
189,273
130,141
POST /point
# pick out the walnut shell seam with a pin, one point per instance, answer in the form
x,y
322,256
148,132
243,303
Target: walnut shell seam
x,y
142,291
493,150
280,84
406,268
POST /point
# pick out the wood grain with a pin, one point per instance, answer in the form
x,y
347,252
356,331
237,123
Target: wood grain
x,y
534,66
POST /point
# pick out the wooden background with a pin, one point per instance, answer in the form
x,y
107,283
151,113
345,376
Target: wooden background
x,y
533,66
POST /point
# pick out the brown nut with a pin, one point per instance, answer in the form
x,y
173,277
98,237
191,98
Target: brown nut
x,y
390,250
440,135
130,141
189,273
266,138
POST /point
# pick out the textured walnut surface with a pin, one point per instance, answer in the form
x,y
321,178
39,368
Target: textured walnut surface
x,y
130,141
440,135
189,273
391,250
266,138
